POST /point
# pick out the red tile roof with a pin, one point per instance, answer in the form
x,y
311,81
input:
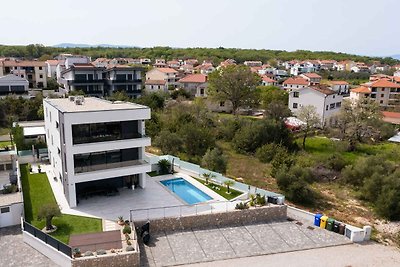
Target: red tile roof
x,y
361,89
52,62
323,90
296,80
339,83
389,114
384,83
23,63
167,70
194,78
267,79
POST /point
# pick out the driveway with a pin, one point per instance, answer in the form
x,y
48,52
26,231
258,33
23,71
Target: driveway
x,y
14,252
205,245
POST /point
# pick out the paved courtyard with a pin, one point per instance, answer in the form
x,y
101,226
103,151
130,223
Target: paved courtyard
x,y
202,245
14,252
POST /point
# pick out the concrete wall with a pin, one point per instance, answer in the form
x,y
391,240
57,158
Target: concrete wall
x,y
131,259
237,217
50,252
14,216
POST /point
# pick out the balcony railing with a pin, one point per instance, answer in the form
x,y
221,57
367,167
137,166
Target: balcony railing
x,y
97,81
105,138
126,81
107,166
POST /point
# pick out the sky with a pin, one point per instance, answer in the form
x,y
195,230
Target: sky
x,y
365,27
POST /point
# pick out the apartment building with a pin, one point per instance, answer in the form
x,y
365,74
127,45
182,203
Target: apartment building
x,y
169,75
295,83
340,87
326,102
383,91
312,78
12,84
101,81
96,145
34,71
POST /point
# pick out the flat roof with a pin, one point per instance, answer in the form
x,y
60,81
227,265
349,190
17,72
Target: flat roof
x,y
33,131
30,123
9,199
91,104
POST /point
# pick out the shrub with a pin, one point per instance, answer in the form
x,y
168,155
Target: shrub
x,y
267,152
283,160
214,160
127,230
336,162
241,206
10,189
169,143
260,200
48,212
101,252
164,166
88,254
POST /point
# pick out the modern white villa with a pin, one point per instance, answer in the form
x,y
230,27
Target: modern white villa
x,y
96,145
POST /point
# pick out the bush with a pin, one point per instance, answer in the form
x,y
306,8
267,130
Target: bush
x,y
336,162
267,152
260,200
164,166
241,206
283,160
214,160
101,252
227,128
88,254
169,143
127,230
295,183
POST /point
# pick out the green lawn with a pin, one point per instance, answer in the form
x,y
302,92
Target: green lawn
x,y
5,143
37,191
223,191
320,147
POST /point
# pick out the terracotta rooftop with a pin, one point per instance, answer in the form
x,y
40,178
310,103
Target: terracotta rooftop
x,y
339,82
324,90
23,63
389,114
52,62
194,78
382,83
166,70
267,79
296,80
361,89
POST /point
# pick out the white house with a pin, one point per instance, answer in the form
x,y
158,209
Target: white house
x,y
295,83
12,84
11,204
153,86
52,68
169,75
267,81
340,87
312,78
96,146
326,102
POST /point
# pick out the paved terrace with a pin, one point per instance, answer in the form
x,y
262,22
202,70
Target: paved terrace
x,y
204,245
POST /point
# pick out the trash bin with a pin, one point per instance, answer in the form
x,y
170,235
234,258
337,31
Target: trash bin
x,y
341,228
336,227
269,199
324,219
329,224
317,219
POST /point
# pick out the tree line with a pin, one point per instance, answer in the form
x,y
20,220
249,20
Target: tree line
x,y
216,55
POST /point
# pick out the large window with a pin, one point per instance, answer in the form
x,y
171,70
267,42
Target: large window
x,y
102,132
106,160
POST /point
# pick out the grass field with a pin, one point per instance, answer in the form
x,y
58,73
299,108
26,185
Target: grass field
x,y
5,143
222,190
37,192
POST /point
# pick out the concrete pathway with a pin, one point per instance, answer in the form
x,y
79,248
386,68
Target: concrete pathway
x,y
15,252
207,245
369,254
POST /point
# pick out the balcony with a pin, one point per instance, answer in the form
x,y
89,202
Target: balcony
x,y
124,81
105,138
107,166
97,81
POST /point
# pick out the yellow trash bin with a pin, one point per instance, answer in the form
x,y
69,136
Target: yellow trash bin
x,y
324,219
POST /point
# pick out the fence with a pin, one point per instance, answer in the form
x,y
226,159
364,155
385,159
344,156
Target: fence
x,y
49,240
182,210
218,177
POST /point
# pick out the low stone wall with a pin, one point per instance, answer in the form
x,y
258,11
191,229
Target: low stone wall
x,y
131,259
236,217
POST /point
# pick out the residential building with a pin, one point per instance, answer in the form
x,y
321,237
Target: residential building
x,y
195,84
67,60
123,78
160,63
84,77
96,145
101,62
226,63
175,64
295,83
153,86
340,87
360,68
253,63
384,92
11,203
205,68
34,71
12,84
169,75
312,78
326,102
52,68
327,64
267,81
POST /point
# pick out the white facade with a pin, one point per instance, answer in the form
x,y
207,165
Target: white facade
x,y
326,104
12,84
98,150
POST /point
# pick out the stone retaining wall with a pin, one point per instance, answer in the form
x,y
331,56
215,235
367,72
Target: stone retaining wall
x,y
236,217
131,259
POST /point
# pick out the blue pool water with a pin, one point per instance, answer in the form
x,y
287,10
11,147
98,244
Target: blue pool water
x,y
186,191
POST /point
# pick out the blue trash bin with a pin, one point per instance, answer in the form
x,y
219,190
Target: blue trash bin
x,y
317,219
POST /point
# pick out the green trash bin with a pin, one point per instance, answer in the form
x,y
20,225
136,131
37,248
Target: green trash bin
x,y
329,224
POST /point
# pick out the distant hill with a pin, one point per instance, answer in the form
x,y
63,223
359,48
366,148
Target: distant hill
x,y
72,45
396,56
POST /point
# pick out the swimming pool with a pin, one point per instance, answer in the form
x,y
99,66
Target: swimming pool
x,y
186,191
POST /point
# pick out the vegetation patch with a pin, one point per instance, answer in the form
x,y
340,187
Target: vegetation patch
x,y
221,190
